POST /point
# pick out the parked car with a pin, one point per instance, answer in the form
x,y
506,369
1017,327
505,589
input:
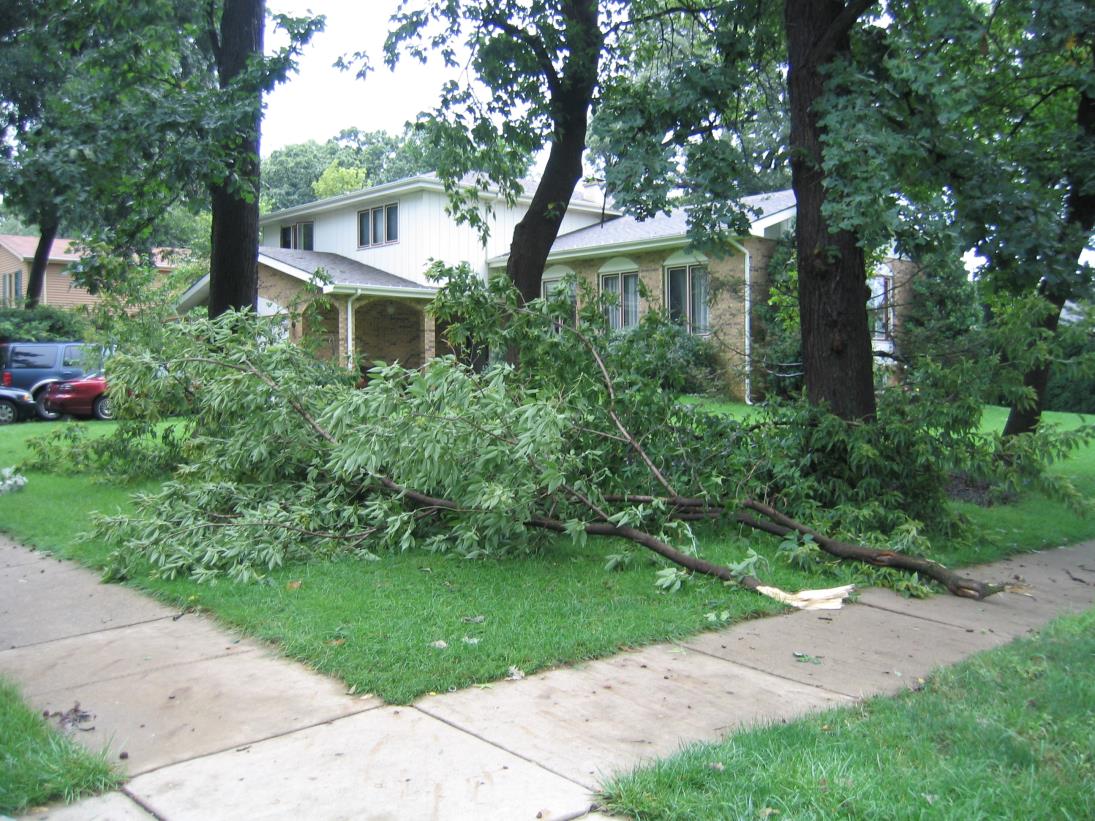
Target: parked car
x,y
80,397
15,405
33,366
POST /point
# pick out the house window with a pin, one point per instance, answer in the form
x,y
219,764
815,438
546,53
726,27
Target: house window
x,y
11,289
391,222
301,236
624,313
880,304
687,295
378,226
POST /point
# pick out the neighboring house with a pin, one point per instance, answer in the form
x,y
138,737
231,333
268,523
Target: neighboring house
x,y
372,248
58,288
650,264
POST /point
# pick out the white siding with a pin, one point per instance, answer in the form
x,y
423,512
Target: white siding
x,y
426,232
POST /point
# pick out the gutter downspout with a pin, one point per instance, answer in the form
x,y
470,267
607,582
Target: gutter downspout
x,y
350,329
748,320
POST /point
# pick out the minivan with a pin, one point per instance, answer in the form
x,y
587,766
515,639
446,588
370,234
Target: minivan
x,y
32,366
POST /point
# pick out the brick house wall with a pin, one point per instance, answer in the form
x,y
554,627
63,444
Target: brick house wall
x,y
727,316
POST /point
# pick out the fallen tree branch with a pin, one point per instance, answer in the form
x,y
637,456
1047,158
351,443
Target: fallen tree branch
x,y
956,584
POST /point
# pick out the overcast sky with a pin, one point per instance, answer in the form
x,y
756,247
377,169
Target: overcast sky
x,y
319,101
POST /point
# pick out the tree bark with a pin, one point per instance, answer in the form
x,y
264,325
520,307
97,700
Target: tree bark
x,y
836,339
233,263
37,279
1078,224
571,97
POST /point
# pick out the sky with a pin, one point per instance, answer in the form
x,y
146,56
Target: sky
x,y
320,100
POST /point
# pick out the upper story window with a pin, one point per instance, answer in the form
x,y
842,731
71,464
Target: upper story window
x,y
378,226
880,304
300,235
687,295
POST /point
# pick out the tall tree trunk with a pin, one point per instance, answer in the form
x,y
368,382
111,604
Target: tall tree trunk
x,y
1079,222
836,340
233,263
1025,418
571,96
37,279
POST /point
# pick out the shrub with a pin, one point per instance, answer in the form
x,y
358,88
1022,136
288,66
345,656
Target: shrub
x,y
44,323
663,352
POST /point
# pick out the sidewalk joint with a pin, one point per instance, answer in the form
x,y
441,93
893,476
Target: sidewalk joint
x,y
504,749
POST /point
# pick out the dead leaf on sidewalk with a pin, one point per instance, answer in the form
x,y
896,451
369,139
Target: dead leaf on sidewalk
x,y
72,719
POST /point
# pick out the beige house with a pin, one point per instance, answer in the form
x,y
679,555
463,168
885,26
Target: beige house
x,y
58,287
16,258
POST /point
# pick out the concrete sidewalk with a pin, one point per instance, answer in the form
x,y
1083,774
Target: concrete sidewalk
x,y
214,726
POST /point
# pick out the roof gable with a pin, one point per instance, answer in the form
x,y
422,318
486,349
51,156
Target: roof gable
x,y
24,248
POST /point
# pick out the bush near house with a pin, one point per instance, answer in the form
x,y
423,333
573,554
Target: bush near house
x,y
45,323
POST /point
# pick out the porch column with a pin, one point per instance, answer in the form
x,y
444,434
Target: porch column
x,y
342,309
429,339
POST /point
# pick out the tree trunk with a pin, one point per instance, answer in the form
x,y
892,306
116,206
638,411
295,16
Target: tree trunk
x,y
233,263
1078,224
1025,418
571,96
37,279
836,339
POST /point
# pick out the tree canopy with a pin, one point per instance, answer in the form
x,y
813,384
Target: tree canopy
x,y
352,159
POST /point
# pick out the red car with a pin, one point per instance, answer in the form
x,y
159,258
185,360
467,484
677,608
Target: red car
x,y
80,397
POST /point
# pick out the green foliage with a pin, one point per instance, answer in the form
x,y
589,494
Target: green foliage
x,y
777,333
290,461
137,450
43,323
698,118
666,354
337,179
1072,380
117,115
290,174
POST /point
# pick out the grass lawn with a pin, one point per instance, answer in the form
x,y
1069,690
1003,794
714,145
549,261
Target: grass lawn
x,y
39,764
372,623
1007,734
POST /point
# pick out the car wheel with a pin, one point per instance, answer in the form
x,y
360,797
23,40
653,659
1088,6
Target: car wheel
x,y
43,411
102,408
8,412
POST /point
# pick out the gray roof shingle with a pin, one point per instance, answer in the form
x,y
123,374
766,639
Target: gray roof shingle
x,y
661,226
342,270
